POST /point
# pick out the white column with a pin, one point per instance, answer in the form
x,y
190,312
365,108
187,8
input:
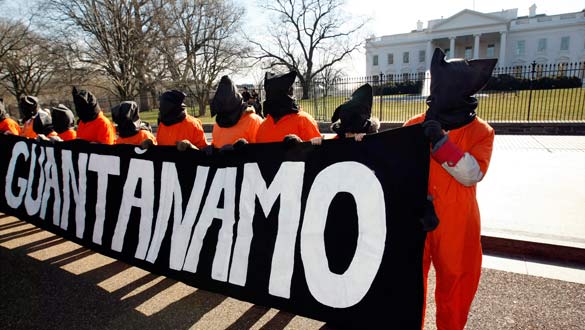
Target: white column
x,y
429,53
451,47
476,46
502,58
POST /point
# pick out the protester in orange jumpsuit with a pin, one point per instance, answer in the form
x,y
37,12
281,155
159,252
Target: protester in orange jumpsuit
x,y
28,107
235,120
93,125
283,116
7,124
353,119
175,126
64,122
131,130
461,150
43,125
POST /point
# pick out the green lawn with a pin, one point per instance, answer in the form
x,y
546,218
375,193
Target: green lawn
x,y
152,115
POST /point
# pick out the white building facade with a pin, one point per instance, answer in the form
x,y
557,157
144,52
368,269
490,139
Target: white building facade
x,y
514,40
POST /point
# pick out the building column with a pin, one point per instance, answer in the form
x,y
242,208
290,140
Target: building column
x,y
476,46
451,47
429,53
502,58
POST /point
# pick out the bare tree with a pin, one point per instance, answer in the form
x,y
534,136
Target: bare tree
x,y
329,77
302,31
11,37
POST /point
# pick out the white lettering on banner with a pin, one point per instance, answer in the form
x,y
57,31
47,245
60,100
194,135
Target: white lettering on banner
x,y
223,181
287,184
31,204
104,166
14,201
77,187
143,171
347,289
52,183
170,195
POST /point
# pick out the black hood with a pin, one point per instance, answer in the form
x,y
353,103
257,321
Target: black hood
x,y
279,101
3,114
453,83
353,116
125,115
172,108
227,104
28,107
63,118
43,123
86,105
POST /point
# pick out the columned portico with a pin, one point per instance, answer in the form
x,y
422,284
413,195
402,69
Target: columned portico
x,y
429,53
451,47
476,45
502,58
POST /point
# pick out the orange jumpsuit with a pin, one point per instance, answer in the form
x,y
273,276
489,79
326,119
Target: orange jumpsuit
x,y
300,124
189,129
27,129
68,135
454,247
246,128
137,138
9,124
99,130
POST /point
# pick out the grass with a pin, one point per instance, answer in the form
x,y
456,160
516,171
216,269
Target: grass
x,y
152,115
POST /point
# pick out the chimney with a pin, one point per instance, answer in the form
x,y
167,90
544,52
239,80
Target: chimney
x,y
532,10
419,25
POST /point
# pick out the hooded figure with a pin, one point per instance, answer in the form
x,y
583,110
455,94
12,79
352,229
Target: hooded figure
x,y
460,159
131,130
86,105
234,119
63,122
354,116
172,108
7,124
175,125
453,83
93,125
283,116
43,123
28,107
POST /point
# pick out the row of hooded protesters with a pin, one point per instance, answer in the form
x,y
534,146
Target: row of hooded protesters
x,y
236,121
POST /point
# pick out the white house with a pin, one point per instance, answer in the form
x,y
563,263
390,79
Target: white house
x,y
469,34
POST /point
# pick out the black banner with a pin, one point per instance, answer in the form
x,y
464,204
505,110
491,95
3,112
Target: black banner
x,y
330,232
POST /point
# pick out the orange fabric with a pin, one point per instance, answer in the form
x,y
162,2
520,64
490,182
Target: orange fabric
x,y
53,133
27,129
246,128
137,138
68,135
454,247
9,124
99,130
189,129
300,124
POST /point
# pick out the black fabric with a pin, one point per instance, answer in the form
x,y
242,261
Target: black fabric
x,y
353,116
3,114
28,107
453,83
86,105
43,123
279,101
125,115
227,104
392,297
171,107
63,118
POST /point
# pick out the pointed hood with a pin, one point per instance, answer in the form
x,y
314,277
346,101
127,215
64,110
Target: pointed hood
x,y
227,104
126,116
3,113
28,107
279,101
453,83
86,105
43,123
353,116
171,107
63,118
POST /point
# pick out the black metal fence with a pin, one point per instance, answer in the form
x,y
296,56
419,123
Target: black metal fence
x,y
529,93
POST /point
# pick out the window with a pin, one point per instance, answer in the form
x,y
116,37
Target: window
x,y
520,47
562,71
447,53
421,56
375,60
491,50
467,52
539,71
405,57
541,45
565,43
390,58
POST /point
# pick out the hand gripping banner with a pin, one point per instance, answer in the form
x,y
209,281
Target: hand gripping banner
x,y
331,232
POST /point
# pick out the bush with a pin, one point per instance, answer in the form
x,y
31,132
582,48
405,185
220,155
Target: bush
x,y
506,82
405,87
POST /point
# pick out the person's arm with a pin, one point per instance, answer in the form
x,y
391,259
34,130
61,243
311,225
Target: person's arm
x,y
253,129
198,139
309,129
